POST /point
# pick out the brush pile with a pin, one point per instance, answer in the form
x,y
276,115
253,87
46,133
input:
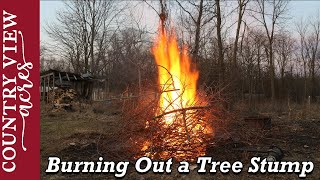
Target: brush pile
x,y
188,135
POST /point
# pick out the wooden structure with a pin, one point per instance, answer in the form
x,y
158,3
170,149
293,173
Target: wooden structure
x,y
53,79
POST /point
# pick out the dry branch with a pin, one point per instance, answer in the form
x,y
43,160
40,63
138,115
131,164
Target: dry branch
x,y
182,109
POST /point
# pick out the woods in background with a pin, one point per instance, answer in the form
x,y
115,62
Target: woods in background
x,y
247,48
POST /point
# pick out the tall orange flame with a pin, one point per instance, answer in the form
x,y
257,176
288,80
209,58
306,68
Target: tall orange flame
x,y
177,80
182,131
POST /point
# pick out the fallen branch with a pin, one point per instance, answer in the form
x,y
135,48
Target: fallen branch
x,y
182,109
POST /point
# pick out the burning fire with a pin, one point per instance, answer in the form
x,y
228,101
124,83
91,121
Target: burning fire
x,y
177,80
181,128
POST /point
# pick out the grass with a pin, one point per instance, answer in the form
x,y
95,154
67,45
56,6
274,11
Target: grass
x,y
58,129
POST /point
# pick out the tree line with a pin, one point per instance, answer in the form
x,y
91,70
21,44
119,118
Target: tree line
x,y
246,47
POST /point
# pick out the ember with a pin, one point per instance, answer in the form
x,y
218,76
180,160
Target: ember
x,y
180,128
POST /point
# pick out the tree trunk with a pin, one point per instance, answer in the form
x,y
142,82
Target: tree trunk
x,y
235,46
272,72
93,29
220,46
197,35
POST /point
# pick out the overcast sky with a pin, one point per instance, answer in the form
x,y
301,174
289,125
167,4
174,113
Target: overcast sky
x,y
48,10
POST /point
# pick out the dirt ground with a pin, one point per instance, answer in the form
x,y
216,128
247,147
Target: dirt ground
x,y
88,132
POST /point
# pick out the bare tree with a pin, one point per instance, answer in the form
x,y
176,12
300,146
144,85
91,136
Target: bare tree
x,y
81,32
43,50
242,4
81,35
259,38
309,48
302,30
270,12
313,42
248,56
284,47
220,43
195,15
